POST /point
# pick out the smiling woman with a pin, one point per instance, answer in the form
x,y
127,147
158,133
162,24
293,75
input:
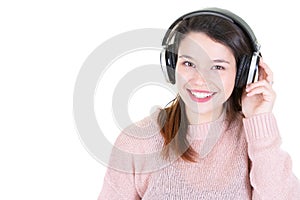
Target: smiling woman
x,y
207,79
218,139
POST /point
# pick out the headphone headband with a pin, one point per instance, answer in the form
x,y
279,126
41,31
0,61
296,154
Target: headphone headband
x,y
220,13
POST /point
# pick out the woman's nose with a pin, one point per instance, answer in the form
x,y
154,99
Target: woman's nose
x,y
199,78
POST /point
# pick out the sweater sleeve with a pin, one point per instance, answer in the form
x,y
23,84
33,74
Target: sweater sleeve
x,y
271,173
118,186
119,180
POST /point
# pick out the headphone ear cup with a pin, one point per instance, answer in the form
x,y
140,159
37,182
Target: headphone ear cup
x,y
242,72
170,59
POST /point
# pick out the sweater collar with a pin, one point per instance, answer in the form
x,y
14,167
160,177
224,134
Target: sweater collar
x,y
207,130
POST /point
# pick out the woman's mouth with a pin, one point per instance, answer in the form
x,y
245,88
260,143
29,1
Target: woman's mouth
x,y
200,95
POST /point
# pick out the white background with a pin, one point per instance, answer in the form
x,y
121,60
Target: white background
x,y
42,47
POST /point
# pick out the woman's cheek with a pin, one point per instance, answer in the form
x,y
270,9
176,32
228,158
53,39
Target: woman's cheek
x,y
228,84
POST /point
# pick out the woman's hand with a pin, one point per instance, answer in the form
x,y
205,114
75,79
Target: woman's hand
x,y
259,97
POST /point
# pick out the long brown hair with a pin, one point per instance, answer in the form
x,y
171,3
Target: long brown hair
x,y
172,119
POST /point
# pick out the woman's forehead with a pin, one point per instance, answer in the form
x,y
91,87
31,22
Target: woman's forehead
x,y
200,46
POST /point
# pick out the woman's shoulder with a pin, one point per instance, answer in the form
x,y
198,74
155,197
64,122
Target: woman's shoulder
x,y
139,145
141,135
144,128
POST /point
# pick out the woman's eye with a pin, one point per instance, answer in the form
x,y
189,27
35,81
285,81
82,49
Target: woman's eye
x,y
188,64
218,67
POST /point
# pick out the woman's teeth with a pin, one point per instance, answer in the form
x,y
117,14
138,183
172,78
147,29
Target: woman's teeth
x,y
202,94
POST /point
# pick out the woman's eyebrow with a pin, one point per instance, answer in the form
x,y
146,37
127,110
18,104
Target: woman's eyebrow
x,y
215,60
221,61
186,57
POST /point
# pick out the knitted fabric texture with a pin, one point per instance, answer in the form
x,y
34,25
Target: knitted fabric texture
x,y
241,162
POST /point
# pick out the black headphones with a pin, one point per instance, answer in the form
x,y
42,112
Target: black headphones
x,y
248,67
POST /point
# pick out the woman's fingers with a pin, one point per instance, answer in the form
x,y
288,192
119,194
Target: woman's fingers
x,y
261,83
265,72
261,87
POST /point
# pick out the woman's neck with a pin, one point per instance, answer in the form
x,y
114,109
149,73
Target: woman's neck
x,y
200,118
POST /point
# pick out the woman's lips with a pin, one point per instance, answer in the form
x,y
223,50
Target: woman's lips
x,y
201,95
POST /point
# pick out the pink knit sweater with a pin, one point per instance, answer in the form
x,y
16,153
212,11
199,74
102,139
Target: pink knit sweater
x,y
236,163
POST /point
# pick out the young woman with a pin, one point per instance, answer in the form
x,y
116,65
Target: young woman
x,y
218,139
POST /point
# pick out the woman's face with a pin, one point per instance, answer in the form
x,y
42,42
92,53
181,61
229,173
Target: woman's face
x,y
205,76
